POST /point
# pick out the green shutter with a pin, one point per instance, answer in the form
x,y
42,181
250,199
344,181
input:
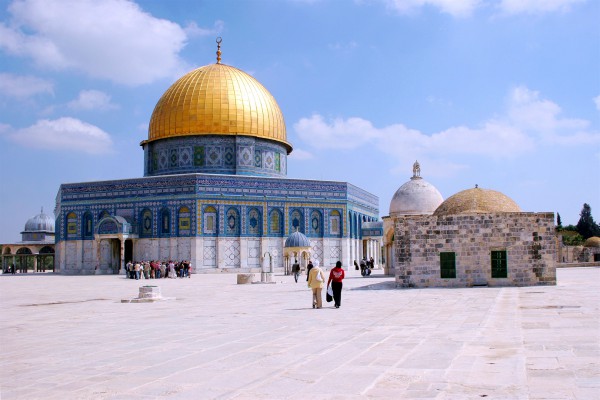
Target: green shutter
x,y
447,265
499,264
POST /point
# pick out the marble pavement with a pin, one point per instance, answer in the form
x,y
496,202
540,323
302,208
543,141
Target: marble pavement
x,y
70,337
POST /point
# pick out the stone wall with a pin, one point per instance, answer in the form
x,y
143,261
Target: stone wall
x,y
527,238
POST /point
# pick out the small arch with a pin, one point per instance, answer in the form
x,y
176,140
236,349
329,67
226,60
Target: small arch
x,y
316,224
71,225
88,225
335,223
296,221
210,221
276,223
254,222
47,250
184,219
232,222
146,223
165,222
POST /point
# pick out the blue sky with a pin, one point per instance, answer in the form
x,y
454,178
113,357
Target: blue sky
x,y
500,93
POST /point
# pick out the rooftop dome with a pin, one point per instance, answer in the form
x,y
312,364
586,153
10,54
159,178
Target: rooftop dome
x,y
297,239
217,99
594,241
415,197
40,223
477,201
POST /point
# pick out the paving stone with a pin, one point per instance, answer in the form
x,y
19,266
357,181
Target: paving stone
x,y
70,337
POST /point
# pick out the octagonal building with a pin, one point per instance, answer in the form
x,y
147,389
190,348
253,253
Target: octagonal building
x,y
214,190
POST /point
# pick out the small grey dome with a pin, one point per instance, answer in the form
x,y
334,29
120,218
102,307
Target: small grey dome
x,y
40,223
415,197
297,239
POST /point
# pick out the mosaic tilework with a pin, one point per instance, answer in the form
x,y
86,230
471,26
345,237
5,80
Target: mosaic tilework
x,y
216,155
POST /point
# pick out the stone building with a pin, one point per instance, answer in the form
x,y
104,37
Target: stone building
x,y
35,251
415,197
214,190
588,252
477,237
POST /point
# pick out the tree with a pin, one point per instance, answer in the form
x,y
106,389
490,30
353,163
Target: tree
x,y
586,225
558,221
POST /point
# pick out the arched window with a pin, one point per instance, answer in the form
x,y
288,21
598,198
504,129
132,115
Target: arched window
x,y
71,225
210,221
46,250
146,223
24,250
275,223
165,222
316,224
232,222
254,222
296,221
184,223
334,223
88,225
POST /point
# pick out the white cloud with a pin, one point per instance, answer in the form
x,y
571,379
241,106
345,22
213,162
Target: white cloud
x,y
465,8
542,118
530,121
597,102
107,39
536,6
299,154
192,29
456,8
337,134
65,133
92,100
23,86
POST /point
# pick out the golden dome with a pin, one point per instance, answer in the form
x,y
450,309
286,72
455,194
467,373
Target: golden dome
x,y
217,99
594,241
477,201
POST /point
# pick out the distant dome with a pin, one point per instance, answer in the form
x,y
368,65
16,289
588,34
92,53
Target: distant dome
x,y
40,223
297,239
415,197
594,241
477,201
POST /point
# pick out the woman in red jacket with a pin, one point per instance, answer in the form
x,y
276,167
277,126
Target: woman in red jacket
x,y
336,275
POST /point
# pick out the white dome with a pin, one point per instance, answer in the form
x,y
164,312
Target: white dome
x,y
40,223
415,197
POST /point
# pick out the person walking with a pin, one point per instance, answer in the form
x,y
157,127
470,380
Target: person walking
x,y
336,275
316,280
309,267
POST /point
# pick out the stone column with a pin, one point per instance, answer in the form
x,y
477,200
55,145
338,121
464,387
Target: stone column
x,y
122,258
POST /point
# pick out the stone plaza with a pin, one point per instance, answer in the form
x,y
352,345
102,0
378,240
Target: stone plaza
x,y
71,337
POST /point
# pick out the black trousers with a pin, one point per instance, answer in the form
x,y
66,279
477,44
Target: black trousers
x,y
337,293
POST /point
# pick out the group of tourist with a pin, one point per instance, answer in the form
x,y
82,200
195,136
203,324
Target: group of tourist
x,y
158,269
316,281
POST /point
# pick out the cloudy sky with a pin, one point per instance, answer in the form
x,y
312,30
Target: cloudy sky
x,y
500,93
